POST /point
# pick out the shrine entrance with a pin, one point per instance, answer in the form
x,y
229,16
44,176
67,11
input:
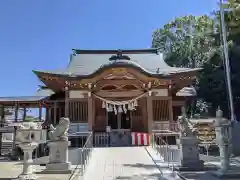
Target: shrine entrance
x,y
120,125
120,121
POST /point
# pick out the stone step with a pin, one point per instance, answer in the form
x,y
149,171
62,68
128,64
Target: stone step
x,y
6,147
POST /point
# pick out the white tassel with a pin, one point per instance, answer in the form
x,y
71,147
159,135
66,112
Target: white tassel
x,y
124,108
115,109
135,103
110,108
107,108
129,106
120,109
103,105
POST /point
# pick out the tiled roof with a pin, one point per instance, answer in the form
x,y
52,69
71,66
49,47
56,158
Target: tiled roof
x,y
21,98
86,64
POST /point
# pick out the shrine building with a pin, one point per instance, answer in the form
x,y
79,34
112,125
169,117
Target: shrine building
x,y
125,90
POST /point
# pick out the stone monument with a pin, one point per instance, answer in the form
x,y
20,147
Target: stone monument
x,y
224,141
58,146
188,142
28,136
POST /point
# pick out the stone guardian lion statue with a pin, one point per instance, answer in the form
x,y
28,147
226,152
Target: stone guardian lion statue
x,y
60,132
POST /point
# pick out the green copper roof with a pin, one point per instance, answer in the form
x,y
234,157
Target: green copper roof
x,y
87,62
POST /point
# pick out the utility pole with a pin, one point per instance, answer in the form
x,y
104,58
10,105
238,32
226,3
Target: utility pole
x,y
226,61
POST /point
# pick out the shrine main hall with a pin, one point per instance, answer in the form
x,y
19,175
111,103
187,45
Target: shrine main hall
x,y
124,90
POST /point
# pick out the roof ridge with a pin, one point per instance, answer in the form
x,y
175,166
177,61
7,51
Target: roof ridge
x,y
115,51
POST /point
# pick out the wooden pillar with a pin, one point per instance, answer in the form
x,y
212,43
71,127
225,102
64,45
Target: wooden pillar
x,y
93,112
15,129
90,113
150,113
66,109
24,113
143,106
49,114
40,112
2,125
170,106
171,122
2,115
55,113
16,113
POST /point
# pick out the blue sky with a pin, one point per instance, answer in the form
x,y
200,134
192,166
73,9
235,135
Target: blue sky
x,y
39,34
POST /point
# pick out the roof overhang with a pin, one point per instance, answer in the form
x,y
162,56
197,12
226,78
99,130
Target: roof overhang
x,y
117,64
20,100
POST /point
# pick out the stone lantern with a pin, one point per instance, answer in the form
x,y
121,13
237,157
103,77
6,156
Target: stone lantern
x,y
223,129
28,136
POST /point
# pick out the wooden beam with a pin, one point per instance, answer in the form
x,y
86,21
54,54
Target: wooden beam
x,y
104,82
133,93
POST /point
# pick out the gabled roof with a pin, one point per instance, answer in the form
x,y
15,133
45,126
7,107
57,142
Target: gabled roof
x,y
88,62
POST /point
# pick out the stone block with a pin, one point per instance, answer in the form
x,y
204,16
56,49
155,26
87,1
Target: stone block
x,y
58,157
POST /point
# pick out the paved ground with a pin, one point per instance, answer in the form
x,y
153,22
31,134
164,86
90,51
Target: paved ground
x,y
122,163
10,170
210,161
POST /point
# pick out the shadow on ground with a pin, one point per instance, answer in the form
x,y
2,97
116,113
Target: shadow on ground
x,y
140,165
155,176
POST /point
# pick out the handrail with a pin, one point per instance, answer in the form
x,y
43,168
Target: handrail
x,y
85,153
163,148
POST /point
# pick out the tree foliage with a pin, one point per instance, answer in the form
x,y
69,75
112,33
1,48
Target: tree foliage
x,y
186,41
196,42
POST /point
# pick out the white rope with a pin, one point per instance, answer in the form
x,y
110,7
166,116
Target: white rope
x,y
118,103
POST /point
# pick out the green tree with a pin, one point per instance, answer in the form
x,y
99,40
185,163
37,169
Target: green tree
x,y
186,41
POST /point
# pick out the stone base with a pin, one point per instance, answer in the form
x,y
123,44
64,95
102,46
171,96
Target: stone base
x,y
228,174
193,166
58,168
27,177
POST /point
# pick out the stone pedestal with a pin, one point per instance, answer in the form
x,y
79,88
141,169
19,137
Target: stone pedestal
x,y
189,155
27,172
58,158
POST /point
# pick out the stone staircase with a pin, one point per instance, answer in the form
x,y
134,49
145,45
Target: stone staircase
x,y
6,147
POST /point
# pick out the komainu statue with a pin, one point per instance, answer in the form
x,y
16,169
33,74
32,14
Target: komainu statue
x,y
61,130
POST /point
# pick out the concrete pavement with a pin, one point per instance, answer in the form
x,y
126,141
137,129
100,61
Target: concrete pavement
x,y
122,163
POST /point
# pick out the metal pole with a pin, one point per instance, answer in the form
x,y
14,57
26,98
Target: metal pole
x,y
226,60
